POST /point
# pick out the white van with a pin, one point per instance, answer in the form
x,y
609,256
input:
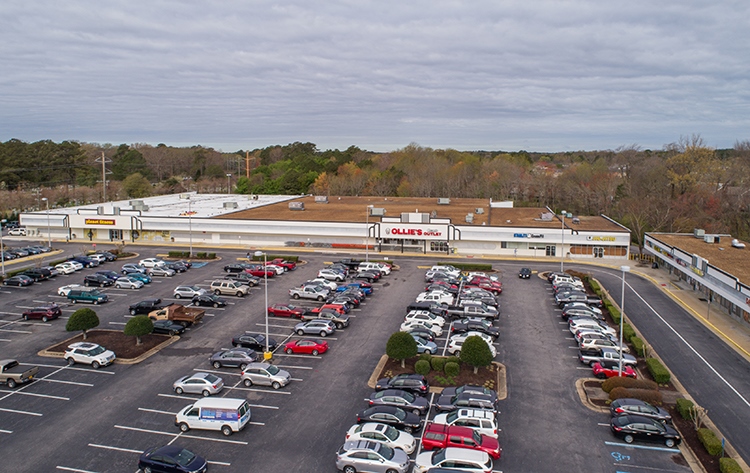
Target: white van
x,y
225,414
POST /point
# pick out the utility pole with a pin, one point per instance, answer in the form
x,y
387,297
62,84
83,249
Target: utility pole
x,y
104,160
247,164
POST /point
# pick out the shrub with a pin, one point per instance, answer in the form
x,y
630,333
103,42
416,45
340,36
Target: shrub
x,y
401,346
212,256
476,352
82,319
710,441
613,312
425,356
452,369
201,255
483,267
729,465
444,381
594,286
628,331
438,363
630,383
683,407
453,359
637,346
651,396
179,254
422,367
138,326
660,374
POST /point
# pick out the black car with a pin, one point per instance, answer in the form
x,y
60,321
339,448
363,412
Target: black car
x,y
414,383
524,273
255,341
350,299
177,267
235,268
638,407
18,280
441,287
185,263
145,306
466,400
632,427
244,278
433,307
168,327
394,416
399,398
85,261
475,324
368,276
209,300
99,280
113,275
171,458
107,255
37,274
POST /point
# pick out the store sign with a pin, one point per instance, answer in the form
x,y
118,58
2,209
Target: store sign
x,y
528,235
601,238
98,221
416,232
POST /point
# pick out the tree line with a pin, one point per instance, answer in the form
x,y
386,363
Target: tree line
x,y
682,186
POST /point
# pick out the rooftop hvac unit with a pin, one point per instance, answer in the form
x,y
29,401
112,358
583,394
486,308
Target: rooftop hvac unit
x,y
712,238
547,216
321,199
141,206
444,201
698,232
470,218
737,244
479,210
230,205
100,210
415,217
183,196
296,206
377,211
576,220
135,202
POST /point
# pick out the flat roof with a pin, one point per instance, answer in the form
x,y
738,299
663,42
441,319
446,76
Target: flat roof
x,y
722,255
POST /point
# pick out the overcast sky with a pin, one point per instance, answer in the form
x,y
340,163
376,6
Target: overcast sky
x,y
539,75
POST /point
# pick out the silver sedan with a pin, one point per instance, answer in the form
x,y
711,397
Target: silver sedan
x,y
199,383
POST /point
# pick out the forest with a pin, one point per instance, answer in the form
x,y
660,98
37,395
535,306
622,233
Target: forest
x,y
684,185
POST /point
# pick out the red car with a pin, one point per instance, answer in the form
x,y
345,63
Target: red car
x,y
307,346
486,284
610,369
437,436
45,313
286,310
331,307
259,270
287,265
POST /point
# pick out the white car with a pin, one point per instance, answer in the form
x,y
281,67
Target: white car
x,y
382,433
128,283
437,297
65,268
577,325
89,354
325,282
481,420
330,275
492,277
425,315
97,257
17,232
188,292
277,269
456,344
450,270
471,461
584,306
151,262
76,265
472,333
63,291
412,324
591,333
598,343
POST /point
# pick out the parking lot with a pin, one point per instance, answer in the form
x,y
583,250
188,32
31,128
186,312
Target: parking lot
x,y
81,419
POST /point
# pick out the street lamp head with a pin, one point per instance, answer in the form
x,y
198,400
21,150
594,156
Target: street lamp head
x,y
624,269
259,253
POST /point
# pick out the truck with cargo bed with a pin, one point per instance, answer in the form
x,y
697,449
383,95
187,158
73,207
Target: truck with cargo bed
x,y
12,373
595,355
178,313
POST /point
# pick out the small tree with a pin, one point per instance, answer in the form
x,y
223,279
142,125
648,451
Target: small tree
x,y
698,415
82,319
476,352
401,346
138,326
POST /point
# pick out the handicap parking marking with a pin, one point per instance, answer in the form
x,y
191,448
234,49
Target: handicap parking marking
x,y
24,393
14,411
643,447
179,434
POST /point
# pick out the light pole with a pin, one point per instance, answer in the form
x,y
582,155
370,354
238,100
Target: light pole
x,y
229,176
190,224
267,355
367,233
49,237
624,270
562,249
2,248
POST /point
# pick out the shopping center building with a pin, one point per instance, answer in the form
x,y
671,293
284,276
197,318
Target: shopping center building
x,y
471,227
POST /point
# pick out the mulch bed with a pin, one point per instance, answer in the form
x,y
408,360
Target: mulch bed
x,y
123,345
484,376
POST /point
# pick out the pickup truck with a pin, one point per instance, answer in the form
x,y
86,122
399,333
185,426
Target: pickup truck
x,y
352,264
12,374
592,356
316,293
486,312
178,313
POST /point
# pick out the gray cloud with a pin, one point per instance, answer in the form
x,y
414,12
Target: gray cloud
x,y
543,75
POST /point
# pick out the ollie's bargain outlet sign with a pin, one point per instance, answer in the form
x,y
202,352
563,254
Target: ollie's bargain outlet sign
x,y
414,232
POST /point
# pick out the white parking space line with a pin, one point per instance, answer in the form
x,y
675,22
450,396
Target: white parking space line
x,y
218,463
5,431
176,396
179,434
14,331
24,393
602,424
88,370
267,391
37,414
262,406
295,367
224,373
280,354
65,468
117,323
296,379
643,447
5,340
74,383
118,449
156,411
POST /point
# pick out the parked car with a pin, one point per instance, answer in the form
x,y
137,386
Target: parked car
x,y
256,341
244,278
369,456
466,400
126,282
399,398
368,275
37,274
425,315
97,280
168,327
265,374
287,265
86,261
224,287
143,277
88,354
424,345
469,461
85,295
286,310
414,383
17,232
188,292
315,327
52,271
161,270
339,320
309,292
394,416
435,329
151,262
177,267
235,268
145,306
597,343
18,280
637,407
475,324
199,383
173,459
331,275
209,300
45,313
64,290
236,357
132,268
109,256
437,436
631,427
421,333
478,419
382,433
307,346
610,369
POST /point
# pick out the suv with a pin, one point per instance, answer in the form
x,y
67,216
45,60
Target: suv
x,y
265,374
413,383
188,292
45,313
94,296
145,306
37,274
89,354
471,400
224,287
478,419
366,455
